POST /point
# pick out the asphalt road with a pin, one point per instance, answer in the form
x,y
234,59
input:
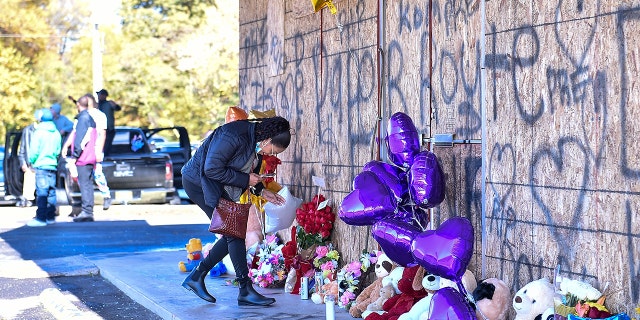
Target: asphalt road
x,y
26,294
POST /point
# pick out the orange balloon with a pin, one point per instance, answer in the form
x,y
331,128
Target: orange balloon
x,y
235,113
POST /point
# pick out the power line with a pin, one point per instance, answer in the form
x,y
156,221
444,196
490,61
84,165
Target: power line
x,y
38,36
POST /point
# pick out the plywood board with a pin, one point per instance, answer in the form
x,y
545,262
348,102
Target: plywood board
x,y
560,65
275,37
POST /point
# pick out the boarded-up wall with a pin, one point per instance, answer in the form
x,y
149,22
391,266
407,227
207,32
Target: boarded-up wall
x,y
329,90
559,82
562,170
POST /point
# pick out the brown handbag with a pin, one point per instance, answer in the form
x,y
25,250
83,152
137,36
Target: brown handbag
x,y
230,219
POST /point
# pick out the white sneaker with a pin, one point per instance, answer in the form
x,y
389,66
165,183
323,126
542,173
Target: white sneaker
x,y
36,223
51,221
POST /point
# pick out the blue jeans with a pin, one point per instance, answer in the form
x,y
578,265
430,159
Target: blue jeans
x,y
45,194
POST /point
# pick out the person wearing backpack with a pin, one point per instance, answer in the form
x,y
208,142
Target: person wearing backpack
x,y
82,146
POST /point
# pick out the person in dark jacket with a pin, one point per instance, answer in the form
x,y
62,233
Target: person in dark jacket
x,y
225,165
108,107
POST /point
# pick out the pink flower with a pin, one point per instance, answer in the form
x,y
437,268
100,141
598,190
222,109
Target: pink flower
x,y
354,268
346,297
270,239
329,265
322,251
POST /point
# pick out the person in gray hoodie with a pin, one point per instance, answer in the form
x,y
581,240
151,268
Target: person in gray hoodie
x,y
44,151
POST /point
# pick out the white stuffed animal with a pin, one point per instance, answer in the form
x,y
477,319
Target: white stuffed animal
x,y
433,283
533,299
393,278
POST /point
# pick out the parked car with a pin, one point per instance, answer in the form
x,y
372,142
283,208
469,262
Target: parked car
x,y
135,172
5,199
179,151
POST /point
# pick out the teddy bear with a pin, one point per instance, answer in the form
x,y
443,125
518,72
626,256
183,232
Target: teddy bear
x,y
468,280
391,280
492,298
194,255
432,283
383,267
533,299
386,292
403,302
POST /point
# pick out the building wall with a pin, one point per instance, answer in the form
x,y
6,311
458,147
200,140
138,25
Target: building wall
x,y
550,87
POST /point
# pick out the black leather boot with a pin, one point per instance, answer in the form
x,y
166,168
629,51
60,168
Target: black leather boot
x,y
250,297
195,282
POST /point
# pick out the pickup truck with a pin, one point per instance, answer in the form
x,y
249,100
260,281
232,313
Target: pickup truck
x,y
136,171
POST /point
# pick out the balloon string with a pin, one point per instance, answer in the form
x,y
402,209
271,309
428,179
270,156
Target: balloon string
x,y
468,297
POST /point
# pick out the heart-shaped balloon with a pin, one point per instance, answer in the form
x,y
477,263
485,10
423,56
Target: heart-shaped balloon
x,y
370,201
446,251
413,215
449,304
393,177
395,237
426,180
402,140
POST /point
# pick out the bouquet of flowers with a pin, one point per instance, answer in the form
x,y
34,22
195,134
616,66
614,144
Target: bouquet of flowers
x,y
314,220
353,272
270,270
326,260
315,224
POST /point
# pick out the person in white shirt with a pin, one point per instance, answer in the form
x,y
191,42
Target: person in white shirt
x,y
101,126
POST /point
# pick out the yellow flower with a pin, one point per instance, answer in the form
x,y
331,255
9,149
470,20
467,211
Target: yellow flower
x,y
333,255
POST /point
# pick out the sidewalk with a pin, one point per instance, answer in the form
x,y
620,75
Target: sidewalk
x,y
154,280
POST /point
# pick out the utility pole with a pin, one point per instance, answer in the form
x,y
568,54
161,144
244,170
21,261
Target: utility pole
x,y
96,50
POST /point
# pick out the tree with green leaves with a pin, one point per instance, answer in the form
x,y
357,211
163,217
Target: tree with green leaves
x,y
168,62
179,62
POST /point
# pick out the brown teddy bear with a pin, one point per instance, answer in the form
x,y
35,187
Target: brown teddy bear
x,y
383,267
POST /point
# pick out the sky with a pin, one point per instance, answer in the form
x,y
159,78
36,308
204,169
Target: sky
x,y
107,11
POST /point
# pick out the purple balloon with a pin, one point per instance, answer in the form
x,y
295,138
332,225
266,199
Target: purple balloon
x,y
426,180
446,251
392,176
394,237
370,201
449,304
402,140
413,215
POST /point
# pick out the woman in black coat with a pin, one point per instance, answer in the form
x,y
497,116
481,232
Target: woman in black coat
x,y
225,165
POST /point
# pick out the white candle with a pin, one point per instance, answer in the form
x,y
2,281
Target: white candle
x,y
329,302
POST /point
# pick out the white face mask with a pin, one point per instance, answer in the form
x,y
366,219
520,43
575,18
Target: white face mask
x,y
258,147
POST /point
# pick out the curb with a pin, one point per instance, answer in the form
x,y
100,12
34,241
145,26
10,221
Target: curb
x,y
139,297
46,268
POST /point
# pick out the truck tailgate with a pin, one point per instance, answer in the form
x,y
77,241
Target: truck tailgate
x,y
137,173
